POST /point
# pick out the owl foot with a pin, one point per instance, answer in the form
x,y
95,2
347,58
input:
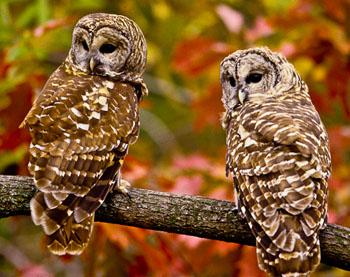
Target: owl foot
x,y
123,187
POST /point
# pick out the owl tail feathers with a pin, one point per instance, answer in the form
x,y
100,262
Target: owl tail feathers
x,y
64,234
72,238
294,264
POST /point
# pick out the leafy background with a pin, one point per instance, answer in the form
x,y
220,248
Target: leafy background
x,y
181,147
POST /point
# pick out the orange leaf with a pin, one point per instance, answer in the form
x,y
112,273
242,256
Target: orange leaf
x,y
190,241
209,108
194,56
248,264
115,234
223,193
134,169
339,141
20,101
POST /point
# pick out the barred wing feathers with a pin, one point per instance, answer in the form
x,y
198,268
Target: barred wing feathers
x,y
278,153
81,129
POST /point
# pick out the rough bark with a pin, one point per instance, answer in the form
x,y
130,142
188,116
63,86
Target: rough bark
x,y
189,215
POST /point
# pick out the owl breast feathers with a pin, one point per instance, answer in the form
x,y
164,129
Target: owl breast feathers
x,y
81,126
278,154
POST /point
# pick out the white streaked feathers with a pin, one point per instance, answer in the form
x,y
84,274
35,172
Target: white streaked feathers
x,y
278,154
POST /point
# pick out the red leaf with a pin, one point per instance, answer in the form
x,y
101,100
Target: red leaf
x,y
321,102
139,267
11,140
338,83
248,265
116,234
134,170
3,65
340,141
335,183
209,108
337,9
12,116
194,56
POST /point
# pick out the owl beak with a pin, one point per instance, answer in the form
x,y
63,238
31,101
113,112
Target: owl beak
x,y
242,95
92,64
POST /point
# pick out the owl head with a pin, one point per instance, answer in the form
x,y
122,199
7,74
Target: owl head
x,y
108,45
254,75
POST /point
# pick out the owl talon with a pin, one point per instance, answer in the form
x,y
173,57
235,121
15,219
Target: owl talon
x,y
240,212
123,187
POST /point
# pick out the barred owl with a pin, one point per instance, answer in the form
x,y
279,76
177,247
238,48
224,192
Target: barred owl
x,y
81,126
278,154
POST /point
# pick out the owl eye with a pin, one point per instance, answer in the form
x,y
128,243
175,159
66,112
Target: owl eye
x,y
107,48
85,46
253,78
232,81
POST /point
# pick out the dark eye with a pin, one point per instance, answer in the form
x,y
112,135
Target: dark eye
x,y
85,46
107,48
253,78
232,81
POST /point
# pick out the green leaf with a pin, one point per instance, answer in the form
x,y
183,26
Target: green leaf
x,y
43,11
12,157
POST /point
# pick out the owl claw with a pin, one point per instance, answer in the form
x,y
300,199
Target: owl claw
x,y
123,187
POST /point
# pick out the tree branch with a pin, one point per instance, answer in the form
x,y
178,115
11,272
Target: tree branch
x,y
189,215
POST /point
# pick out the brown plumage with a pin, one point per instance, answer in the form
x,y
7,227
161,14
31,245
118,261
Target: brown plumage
x,y
278,154
81,126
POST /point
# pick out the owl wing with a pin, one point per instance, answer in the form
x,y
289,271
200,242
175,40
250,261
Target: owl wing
x,y
77,129
81,129
281,165
293,129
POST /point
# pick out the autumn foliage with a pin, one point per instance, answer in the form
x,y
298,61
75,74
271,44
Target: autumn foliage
x,y
181,148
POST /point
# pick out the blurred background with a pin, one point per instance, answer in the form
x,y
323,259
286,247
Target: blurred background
x,y
181,147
